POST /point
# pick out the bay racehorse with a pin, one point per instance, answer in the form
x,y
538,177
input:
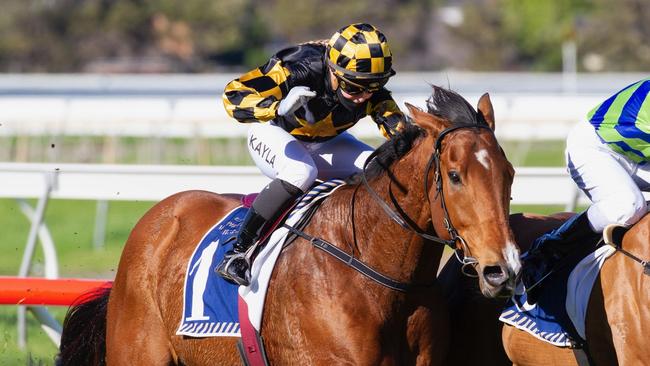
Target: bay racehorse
x,y
444,179
618,316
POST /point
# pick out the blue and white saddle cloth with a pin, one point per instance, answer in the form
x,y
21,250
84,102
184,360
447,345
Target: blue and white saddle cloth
x,y
210,302
558,317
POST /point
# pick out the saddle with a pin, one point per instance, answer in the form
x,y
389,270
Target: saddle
x,y
271,227
613,235
558,314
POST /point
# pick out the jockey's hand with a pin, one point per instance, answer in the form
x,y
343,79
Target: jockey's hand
x,y
399,127
390,128
296,98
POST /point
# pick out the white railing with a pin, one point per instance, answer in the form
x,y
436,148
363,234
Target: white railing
x,y
532,185
527,105
537,116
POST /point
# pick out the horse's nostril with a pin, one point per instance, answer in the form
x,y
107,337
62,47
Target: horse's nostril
x,y
494,275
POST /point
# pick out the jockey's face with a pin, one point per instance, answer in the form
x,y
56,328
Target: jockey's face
x,y
357,98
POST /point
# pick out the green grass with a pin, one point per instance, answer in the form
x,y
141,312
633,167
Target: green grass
x,y
71,225
124,150
41,350
213,151
535,153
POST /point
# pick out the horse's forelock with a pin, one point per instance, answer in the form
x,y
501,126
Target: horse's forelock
x,y
449,105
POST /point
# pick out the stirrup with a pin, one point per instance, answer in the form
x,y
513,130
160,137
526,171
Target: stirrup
x,y
225,269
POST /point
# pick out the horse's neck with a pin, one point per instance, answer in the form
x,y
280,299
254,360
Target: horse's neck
x,y
381,242
636,240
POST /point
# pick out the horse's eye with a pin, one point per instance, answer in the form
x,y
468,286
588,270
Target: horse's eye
x,y
454,177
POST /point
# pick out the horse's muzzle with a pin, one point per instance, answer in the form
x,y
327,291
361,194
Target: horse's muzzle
x,y
499,279
495,276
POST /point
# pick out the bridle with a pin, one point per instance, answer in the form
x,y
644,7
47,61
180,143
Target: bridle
x,y
457,243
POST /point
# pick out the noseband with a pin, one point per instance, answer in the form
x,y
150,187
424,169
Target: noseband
x,y
457,243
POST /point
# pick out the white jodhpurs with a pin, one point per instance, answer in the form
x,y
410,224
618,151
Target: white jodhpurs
x,y
280,155
613,182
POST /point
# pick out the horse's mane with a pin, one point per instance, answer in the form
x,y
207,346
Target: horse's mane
x,y
443,103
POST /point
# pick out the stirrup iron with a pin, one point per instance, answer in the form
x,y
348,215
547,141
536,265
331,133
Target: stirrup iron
x,y
223,269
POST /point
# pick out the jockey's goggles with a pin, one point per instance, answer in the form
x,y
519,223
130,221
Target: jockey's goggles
x,y
354,88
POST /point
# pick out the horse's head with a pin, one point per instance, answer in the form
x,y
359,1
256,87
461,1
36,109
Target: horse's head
x,y
470,187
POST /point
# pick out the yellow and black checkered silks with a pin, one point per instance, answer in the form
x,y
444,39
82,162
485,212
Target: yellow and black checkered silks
x,y
255,96
360,51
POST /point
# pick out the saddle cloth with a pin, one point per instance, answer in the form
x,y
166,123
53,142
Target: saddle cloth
x,y
210,303
558,317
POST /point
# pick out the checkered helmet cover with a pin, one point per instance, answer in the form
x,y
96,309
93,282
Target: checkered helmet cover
x,y
360,51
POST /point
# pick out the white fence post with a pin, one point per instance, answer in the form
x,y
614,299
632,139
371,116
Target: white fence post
x,y
37,221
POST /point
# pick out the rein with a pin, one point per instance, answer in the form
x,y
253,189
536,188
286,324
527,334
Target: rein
x,y
643,263
615,240
402,219
351,261
462,253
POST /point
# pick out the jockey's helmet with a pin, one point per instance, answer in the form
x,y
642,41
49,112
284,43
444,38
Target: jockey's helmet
x,y
359,56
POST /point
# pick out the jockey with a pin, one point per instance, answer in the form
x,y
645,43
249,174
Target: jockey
x,y
607,158
306,97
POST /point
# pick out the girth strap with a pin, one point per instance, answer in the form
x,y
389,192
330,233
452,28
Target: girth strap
x,y
351,261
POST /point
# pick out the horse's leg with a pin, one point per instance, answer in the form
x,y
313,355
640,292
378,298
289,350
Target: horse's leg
x,y
427,329
135,330
136,341
144,309
196,213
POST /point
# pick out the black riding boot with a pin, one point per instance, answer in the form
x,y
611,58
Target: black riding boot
x,y
552,247
268,206
235,267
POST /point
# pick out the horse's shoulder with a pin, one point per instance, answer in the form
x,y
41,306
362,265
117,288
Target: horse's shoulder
x,y
636,238
642,227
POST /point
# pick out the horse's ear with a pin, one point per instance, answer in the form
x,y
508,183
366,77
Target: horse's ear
x,y
425,120
485,109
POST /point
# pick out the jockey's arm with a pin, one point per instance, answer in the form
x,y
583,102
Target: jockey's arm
x,y
387,116
255,96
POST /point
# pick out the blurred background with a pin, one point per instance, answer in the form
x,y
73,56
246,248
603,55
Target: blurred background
x,y
106,106
108,36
